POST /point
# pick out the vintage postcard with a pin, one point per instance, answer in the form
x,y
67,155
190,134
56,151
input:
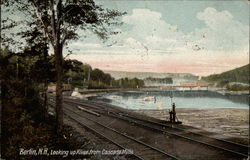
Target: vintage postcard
x,y
124,79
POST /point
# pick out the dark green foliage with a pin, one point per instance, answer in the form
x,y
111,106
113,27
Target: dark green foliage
x,y
22,127
97,85
99,75
236,75
130,83
21,131
83,76
57,23
21,108
23,122
237,87
222,83
76,73
166,80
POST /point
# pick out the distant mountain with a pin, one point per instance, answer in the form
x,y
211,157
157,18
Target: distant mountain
x,y
240,74
143,75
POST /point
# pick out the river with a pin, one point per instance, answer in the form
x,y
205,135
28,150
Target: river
x,y
183,99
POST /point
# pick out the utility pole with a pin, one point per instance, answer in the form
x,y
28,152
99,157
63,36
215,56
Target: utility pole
x,y
89,75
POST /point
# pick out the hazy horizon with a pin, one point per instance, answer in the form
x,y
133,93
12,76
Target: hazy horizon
x,y
105,65
171,37
198,37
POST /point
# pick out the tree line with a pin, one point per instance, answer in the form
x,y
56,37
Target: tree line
x,y
236,79
27,68
84,76
166,80
25,122
56,23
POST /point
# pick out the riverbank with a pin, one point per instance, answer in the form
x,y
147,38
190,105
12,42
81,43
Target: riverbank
x,y
226,92
212,89
90,92
231,124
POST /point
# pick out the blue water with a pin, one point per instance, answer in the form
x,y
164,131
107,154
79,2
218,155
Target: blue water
x,y
194,99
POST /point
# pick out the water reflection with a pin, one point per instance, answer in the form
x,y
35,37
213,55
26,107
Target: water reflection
x,y
183,99
188,94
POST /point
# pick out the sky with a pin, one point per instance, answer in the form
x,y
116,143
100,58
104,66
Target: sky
x,y
199,37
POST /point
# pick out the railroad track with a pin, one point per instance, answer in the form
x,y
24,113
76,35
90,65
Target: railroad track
x,y
173,127
142,150
227,146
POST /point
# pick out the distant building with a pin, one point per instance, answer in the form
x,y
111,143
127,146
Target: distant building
x,y
193,84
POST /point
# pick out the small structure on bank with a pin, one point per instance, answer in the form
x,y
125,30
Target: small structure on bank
x,y
172,115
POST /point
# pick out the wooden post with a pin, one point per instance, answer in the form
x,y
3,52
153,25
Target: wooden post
x,y
173,111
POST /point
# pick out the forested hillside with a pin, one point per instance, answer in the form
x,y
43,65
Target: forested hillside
x,y
240,74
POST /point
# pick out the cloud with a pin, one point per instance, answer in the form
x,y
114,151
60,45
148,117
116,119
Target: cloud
x,y
149,32
145,32
213,18
86,45
149,43
222,31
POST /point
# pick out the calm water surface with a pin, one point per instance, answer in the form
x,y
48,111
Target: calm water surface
x,y
182,99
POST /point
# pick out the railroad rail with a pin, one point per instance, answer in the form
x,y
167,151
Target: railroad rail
x,y
145,150
101,135
173,127
231,147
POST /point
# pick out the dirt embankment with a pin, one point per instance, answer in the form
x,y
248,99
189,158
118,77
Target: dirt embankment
x,y
225,123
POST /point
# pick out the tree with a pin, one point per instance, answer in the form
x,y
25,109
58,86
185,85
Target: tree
x,y
37,44
74,73
60,20
97,74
